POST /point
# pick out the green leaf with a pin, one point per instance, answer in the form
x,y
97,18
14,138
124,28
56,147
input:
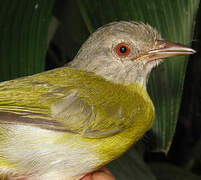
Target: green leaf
x,y
23,29
53,26
166,171
71,33
175,20
131,166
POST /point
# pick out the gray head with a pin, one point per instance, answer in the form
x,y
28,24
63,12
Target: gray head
x,y
125,52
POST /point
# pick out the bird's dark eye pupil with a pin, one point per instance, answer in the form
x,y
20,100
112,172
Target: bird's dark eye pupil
x,y
123,49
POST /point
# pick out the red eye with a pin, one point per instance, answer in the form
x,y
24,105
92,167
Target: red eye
x,y
122,49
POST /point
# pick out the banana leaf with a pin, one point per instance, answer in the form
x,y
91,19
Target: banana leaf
x,y
23,29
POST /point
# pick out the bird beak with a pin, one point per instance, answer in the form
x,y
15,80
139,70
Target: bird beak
x,y
166,49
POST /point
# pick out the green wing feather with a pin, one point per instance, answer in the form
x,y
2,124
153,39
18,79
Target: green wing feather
x,y
72,100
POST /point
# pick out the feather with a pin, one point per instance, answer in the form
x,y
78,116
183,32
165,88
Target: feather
x,y
86,104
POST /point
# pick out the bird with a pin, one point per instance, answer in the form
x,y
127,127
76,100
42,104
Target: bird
x,y
64,123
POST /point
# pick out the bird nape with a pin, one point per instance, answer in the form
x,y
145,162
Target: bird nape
x,y
70,121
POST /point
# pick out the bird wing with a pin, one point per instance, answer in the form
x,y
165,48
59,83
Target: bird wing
x,y
69,100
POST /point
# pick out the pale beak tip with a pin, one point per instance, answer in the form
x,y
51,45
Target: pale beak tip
x,y
188,51
171,49
192,51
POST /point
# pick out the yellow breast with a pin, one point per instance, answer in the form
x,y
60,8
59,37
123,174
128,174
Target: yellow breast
x,y
139,116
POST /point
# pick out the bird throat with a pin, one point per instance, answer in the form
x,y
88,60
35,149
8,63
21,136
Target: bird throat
x,y
125,73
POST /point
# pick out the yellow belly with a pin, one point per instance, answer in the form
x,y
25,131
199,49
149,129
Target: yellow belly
x,y
68,156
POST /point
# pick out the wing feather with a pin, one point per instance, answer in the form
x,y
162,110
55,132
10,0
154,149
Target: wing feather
x,y
70,100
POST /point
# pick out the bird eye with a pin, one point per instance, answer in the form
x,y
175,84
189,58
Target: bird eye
x,y
122,49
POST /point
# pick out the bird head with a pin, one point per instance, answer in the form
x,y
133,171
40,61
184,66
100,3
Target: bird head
x,y
125,52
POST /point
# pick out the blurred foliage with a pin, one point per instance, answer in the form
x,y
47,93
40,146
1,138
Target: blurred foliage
x,y
167,171
131,166
25,38
23,29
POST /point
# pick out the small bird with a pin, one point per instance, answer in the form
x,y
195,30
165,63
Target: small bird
x,y
64,123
